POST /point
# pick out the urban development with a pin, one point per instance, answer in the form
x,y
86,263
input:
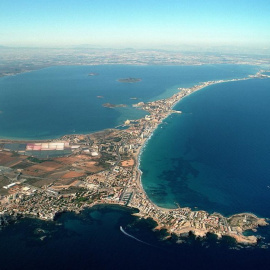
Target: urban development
x,y
45,178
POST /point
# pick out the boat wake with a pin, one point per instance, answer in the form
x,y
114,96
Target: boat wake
x,y
133,237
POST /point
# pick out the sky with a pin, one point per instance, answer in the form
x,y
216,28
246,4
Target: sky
x,y
135,23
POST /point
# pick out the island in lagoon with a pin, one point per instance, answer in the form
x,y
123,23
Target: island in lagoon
x,y
44,178
110,105
129,80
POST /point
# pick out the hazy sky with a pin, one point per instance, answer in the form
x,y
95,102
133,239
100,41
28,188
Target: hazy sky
x,y
135,23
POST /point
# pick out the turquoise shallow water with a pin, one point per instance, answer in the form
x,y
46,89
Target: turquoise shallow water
x,y
215,156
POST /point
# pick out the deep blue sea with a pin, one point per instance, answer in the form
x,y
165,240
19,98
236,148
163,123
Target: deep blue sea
x,y
93,240
214,156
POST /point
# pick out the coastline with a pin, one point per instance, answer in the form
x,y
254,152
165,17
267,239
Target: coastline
x,y
144,144
183,221
188,229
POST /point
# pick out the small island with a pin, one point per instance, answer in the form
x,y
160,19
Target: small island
x,y
110,105
129,80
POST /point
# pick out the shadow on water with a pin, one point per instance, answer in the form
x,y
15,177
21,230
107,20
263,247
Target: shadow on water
x,y
93,240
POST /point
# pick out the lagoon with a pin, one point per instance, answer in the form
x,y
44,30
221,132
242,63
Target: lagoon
x,y
56,101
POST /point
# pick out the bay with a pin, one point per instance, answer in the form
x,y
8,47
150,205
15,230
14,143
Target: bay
x,y
93,240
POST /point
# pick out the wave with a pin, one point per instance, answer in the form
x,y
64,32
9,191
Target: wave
x,y
133,237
